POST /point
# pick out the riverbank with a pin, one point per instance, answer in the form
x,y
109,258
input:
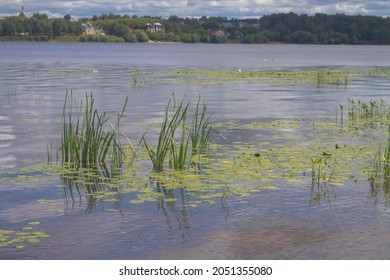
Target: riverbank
x,y
115,39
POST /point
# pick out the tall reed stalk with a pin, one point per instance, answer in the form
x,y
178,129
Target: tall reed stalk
x,y
386,159
179,146
166,140
85,143
201,128
175,137
367,114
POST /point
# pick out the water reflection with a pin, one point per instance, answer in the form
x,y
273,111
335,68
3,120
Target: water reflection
x,y
379,192
78,186
322,191
7,161
129,217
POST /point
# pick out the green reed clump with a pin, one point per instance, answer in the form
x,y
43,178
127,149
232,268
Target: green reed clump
x,y
179,147
381,166
367,112
89,139
175,137
201,128
379,177
332,78
385,157
166,141
323,168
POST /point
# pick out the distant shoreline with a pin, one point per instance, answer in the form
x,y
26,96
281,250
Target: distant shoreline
x,y
291,28
114,39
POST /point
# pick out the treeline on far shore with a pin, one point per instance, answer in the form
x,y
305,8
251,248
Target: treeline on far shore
x,y
281,28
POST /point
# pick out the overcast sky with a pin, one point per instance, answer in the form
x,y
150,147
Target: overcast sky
x,y
184,8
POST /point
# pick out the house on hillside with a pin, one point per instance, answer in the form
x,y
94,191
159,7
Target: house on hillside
x,y
217,32
154,27
92,29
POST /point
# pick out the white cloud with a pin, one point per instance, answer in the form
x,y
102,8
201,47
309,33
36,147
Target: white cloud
x,y
165,8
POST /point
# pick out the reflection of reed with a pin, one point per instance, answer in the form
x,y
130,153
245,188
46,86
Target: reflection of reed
x,y
175,204
84,184
380,190
169,206
321,191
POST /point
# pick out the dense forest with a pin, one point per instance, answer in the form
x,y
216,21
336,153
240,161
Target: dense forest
x,y
282,28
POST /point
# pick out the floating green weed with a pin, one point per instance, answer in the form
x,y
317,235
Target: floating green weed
x,y
21,237
319,78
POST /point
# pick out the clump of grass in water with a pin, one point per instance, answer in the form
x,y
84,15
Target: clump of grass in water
x,y
366,114
177,149
201,128
165,143
380,176
323,168
85,143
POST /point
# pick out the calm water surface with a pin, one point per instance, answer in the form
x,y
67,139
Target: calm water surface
x,y
271,224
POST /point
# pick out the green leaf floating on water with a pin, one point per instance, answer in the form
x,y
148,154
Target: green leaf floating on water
x,y
19,239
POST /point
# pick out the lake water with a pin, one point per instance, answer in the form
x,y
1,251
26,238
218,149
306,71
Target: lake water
x,y
46,221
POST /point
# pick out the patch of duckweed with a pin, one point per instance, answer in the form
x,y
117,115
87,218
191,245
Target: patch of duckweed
x,y
19,238
319,78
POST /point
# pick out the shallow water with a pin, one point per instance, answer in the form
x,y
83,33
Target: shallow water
x,y
281,223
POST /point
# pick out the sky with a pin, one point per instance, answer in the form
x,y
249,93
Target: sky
x,y
194,8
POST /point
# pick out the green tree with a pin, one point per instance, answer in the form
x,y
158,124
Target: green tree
x,y
9,27
60,27
67,17
47,28
303,37
118,29
75,28
141,36
186,38
217,39
257,38
40,16
131,38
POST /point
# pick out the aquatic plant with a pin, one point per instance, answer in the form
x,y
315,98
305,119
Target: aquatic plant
x,y
333,77
173,117
323,168
25,234
176,146
179,148
201,128
379,176
366,114
85,141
